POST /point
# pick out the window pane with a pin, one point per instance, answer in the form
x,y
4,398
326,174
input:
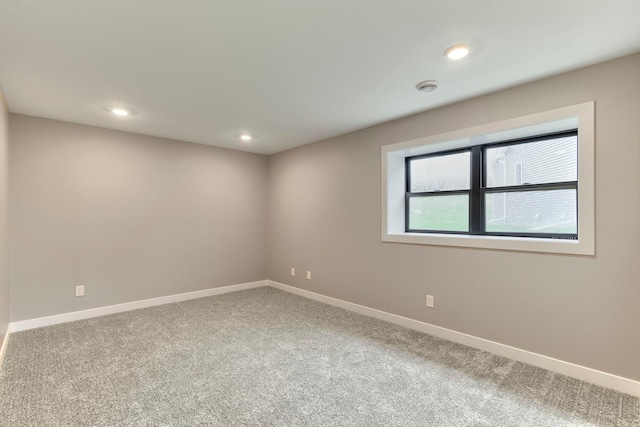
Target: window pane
x,y
442,213
441,173
541,162
548,211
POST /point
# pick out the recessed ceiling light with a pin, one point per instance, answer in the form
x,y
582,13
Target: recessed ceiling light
x,y
246,137
458,51
119,112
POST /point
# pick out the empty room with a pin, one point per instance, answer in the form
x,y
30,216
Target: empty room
x,y
319,213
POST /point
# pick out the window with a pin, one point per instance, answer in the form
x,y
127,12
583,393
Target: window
x,y
438,188
524,184
466,191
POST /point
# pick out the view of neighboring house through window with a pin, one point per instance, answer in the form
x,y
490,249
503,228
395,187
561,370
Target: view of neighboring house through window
x,y
518,173
525,188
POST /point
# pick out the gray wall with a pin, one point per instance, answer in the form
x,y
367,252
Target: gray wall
x,y
324,216
134,217
129,216
4,216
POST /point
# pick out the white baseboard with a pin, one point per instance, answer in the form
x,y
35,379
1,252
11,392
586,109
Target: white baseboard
x,y
5,342
134,305
624,385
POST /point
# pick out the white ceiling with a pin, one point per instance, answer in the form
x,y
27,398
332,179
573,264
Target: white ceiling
x,y
289,72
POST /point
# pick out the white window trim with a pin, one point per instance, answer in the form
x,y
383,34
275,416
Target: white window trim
x,y
580,116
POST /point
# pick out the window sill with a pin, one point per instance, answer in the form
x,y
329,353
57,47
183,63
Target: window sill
x,y
525,244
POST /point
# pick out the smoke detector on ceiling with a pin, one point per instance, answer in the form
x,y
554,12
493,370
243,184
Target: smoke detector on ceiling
x,y
427,86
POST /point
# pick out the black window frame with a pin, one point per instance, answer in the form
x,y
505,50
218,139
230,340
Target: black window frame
x,y
478,188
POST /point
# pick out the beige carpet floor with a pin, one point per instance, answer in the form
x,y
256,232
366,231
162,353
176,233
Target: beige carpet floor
x,y
264,357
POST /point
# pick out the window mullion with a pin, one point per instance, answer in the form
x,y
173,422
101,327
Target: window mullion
x,y
476,202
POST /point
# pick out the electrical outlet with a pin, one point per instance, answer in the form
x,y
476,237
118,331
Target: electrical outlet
x,y
80,291
308,275
430,301
293,271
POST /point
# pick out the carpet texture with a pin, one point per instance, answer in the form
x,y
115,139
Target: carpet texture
x,y
264,357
